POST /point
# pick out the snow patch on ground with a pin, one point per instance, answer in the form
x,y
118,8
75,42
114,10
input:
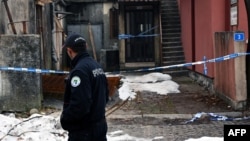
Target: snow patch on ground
x,y
154,82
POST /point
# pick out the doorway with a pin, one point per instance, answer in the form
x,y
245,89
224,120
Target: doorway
x,y
139,23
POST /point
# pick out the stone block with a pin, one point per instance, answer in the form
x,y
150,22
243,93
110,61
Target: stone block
x,y
20,90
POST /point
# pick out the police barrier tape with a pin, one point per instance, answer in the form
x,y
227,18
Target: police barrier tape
x,y
219,59
215,117
33,70
141,35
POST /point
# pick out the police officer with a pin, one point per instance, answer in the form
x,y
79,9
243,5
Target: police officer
x,y
85,96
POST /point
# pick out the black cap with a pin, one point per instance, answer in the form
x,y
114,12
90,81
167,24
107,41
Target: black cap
x,y
75,41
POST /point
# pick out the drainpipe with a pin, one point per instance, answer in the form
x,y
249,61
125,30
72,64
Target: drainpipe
x,y
193,32
247,4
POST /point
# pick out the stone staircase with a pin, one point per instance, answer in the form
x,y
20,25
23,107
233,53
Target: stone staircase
x,y
172,51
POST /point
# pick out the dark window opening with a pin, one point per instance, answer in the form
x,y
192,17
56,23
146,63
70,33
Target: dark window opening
x,y
113,13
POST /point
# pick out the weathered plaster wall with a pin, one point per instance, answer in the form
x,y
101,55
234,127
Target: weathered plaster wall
x,y
20,91
20,10
87,16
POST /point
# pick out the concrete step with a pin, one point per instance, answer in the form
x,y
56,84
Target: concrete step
x,y
171,39
175,62
173,58
172,51
178,73
172,48
171,44
171,30
171,35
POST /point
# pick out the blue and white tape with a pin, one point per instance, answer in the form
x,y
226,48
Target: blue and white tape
x,y
219,59
215,117
32,70
127,36
205,65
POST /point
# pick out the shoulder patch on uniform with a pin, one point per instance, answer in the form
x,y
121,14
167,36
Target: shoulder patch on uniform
x,y
75,81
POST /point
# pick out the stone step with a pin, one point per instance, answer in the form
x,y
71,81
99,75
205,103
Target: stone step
x,y
172,51
170,63
172,6
176,73
173,58
171,39
171,35
171,30
171,44
170,22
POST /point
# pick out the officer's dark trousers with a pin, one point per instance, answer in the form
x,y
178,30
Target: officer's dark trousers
x,y
96,132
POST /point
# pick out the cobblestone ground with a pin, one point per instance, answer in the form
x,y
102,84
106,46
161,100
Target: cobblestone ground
x,y
173,132
192,99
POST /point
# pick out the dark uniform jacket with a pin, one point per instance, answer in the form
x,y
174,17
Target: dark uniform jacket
x,y
86,94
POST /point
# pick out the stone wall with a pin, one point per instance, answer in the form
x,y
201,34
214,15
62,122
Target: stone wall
x,y
19,90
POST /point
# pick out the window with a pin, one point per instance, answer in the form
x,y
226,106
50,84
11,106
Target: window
x,y
113,14
233,1
234,13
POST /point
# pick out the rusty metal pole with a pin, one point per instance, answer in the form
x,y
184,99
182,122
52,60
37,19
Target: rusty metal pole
x,y
9,15
24,27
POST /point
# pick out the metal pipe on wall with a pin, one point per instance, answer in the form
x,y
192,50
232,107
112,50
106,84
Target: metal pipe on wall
x,y
247,4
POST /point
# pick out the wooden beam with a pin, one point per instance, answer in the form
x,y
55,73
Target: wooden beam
x,y
92,40
9,16
58,24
